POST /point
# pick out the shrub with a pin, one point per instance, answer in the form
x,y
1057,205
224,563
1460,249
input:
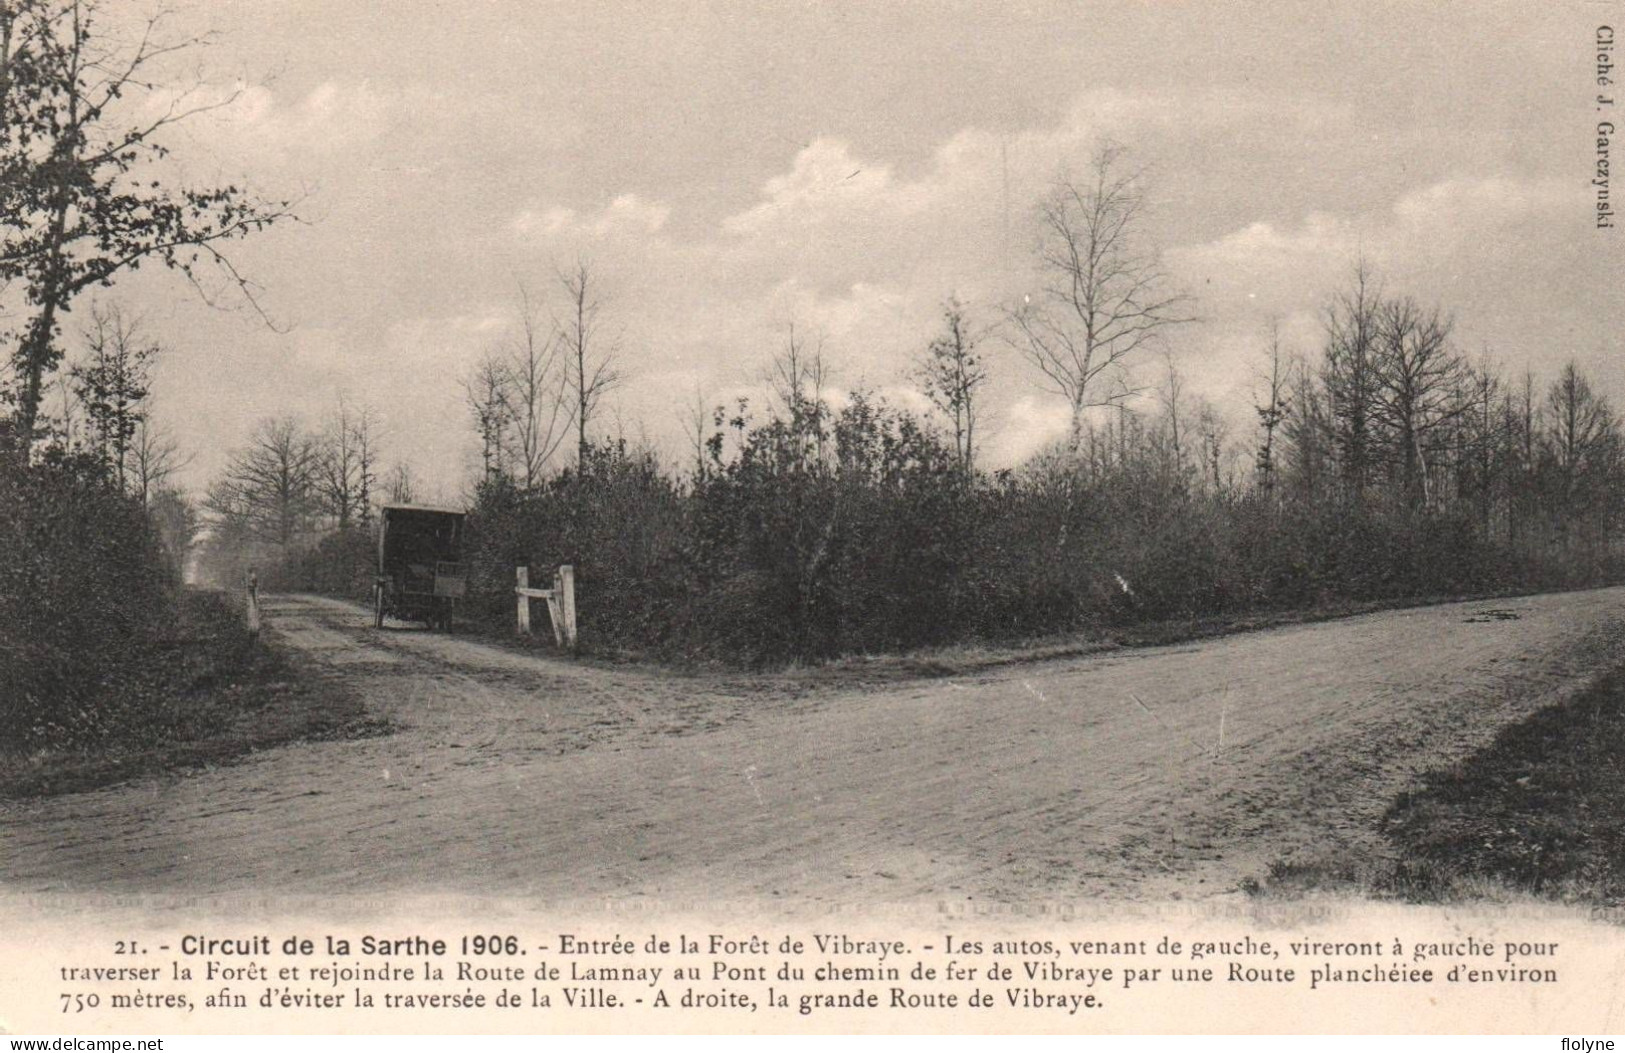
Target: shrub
x,y
84,585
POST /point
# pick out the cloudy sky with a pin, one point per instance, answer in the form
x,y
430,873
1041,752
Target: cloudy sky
x,y
731,168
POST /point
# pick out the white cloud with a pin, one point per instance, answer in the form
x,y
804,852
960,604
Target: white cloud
x,y
627,213
861,251
824,182
254,122
1424,226
1433,242
1028,424
860,258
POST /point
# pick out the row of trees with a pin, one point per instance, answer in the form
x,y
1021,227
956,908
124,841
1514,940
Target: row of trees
x,y
545,385
299,502
288,481
105,419
815,530
1394,413
1385,464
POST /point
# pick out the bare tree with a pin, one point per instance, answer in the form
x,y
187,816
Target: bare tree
x,y
113,382
485,393
1485,440
269,489
345,468
1272,406
797,379
364,432
796,375
177,521
1420,386
1171,396
1212,431
1105,295
155,457
695,416
1352,377
1522,427
952,372
1307,432
1580,436
536,382
402,488
66,427
592,355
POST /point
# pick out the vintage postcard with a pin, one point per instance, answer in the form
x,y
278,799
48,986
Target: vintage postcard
x,y
1100,517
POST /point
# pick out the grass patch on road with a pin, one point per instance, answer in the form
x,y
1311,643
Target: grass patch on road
x,y
202,692
1539,811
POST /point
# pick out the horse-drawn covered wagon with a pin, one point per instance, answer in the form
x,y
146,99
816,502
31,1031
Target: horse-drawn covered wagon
x,y
420,570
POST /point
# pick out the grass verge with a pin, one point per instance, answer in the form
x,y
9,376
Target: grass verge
x,y
204,691
1539,811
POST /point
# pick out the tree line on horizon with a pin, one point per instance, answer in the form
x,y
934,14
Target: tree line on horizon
x,y
1387,465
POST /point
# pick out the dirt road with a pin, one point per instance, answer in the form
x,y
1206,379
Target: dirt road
x,y
1147,773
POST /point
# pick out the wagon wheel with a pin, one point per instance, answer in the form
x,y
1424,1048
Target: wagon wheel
x,y
378,604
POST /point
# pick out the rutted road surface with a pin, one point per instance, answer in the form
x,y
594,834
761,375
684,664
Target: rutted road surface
x,y
1138,773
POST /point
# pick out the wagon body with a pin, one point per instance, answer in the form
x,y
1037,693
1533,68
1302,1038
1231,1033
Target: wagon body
x,y
420,570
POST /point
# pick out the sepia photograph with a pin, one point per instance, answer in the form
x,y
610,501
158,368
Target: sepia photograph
x,y
1127,495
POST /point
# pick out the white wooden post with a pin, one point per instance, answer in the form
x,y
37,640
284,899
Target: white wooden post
x,y
555,607
567,601
561,604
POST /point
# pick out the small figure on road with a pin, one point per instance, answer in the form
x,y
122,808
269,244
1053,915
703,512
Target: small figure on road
x,y
253,602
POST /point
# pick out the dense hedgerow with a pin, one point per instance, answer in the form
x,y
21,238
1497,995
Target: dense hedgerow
x,y
85,589
343,563
819,532
825,533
